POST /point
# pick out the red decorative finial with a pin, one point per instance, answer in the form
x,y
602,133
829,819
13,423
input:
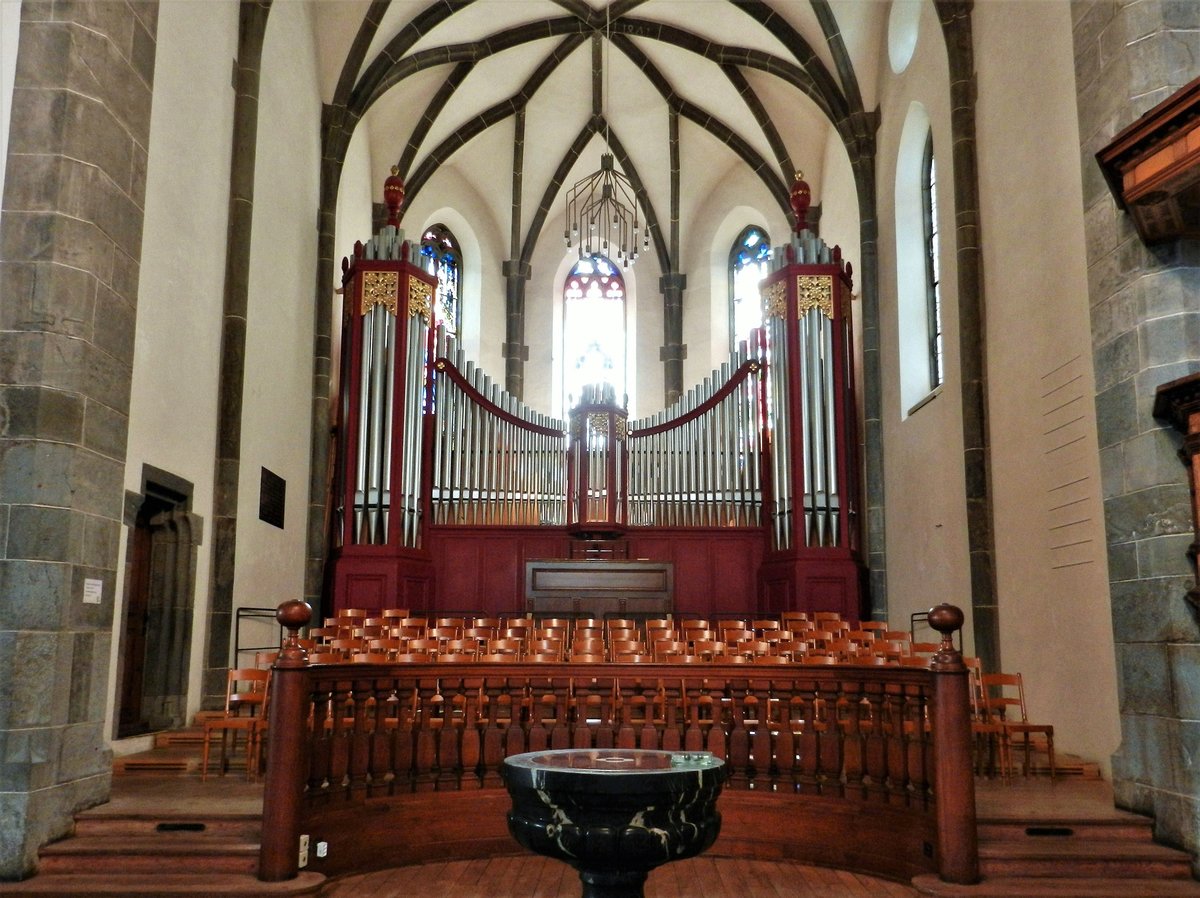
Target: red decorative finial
x,y
801,197
393,196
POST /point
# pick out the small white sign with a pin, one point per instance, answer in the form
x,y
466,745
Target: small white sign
x,y
92,590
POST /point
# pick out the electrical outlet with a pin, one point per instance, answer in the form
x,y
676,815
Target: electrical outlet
x,y
322,849
304,850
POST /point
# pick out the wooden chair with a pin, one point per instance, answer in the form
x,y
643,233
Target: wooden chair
x,y
634,658
586,658
1004,696
245,712
991,746
326,658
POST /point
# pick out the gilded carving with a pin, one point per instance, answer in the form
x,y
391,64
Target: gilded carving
x,y
380,288
814,291
598,423
775,297
420,299
622,428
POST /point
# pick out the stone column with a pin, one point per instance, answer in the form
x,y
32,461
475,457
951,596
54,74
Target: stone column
x,y
1145,332
252,27
70,246
955,17
674,350
514,350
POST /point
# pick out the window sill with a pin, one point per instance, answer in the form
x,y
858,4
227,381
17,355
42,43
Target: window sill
x,y
933,394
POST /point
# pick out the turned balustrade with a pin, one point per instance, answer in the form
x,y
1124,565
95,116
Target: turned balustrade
x,y
341,735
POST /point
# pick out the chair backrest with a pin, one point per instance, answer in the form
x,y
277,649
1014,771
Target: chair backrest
x,y
246,688
1003,694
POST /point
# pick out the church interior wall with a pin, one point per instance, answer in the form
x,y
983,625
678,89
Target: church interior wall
x,y
1051,563
925,517
737,199
178,336
276,398
450,188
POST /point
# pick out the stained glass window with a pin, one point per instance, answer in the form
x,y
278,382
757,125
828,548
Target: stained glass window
x,y
593,328
933,293
439,244
747,266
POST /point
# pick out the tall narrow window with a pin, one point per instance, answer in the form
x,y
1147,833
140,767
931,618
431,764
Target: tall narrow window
x,y
747,266
933,294
439,245
593,328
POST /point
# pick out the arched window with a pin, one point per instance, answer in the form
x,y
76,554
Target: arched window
x,y
918,266
593,328
747,266
933,295
439,244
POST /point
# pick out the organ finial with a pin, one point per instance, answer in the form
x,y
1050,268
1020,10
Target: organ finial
x,y
801,197
393,196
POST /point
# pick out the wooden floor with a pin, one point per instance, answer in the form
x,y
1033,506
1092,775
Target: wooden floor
x,y
529,876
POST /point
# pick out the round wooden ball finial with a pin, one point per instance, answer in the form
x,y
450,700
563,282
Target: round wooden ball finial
x,y
293,616
945,618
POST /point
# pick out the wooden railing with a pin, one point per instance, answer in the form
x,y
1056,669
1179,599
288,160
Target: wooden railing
x,y
349,742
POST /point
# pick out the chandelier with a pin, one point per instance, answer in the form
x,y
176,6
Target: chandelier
x,y
602,209
602,215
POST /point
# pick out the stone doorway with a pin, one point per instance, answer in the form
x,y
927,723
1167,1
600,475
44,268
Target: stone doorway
x,y
156,629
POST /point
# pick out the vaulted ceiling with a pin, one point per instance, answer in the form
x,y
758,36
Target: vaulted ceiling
x,y
693,90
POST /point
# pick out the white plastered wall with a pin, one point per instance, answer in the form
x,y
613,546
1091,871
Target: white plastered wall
x,y
173,398
452,199
926,519
1051,563
10,26
276,397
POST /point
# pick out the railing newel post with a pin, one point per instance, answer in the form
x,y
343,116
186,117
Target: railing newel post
x,y
954,776
287,740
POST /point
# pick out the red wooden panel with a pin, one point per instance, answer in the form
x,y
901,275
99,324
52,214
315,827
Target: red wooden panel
x,y
501,576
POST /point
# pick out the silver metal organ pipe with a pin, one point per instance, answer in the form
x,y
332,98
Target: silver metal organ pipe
x,y
831,439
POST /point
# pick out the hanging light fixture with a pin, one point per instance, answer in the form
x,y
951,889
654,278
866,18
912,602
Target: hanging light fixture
x,y
602,209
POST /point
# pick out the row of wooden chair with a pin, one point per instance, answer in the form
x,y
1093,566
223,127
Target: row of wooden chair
x,y
792,635
998,714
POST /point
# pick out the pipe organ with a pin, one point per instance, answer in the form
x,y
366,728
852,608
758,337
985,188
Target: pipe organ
x,y
428,443
377,507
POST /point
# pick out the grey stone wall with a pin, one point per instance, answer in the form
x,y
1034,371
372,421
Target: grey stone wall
x,y
1145,317
70,244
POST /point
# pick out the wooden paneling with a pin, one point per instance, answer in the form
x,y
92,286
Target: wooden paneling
x,y
481,569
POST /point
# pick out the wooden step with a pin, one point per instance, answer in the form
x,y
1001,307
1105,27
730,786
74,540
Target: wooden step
x,y
1058,887
241,826
161,885
1098,858
191,737
183,852
1122,827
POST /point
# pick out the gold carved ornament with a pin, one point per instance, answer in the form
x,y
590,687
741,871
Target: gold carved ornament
x,y
814,291
598,423
380,288
420,299
775,299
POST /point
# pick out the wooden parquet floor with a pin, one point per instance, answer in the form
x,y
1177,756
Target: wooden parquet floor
x,y
529,876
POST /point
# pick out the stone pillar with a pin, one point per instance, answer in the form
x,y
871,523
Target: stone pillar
x,y
514,350
70,247
1145,332
252,27
955,17
674,350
